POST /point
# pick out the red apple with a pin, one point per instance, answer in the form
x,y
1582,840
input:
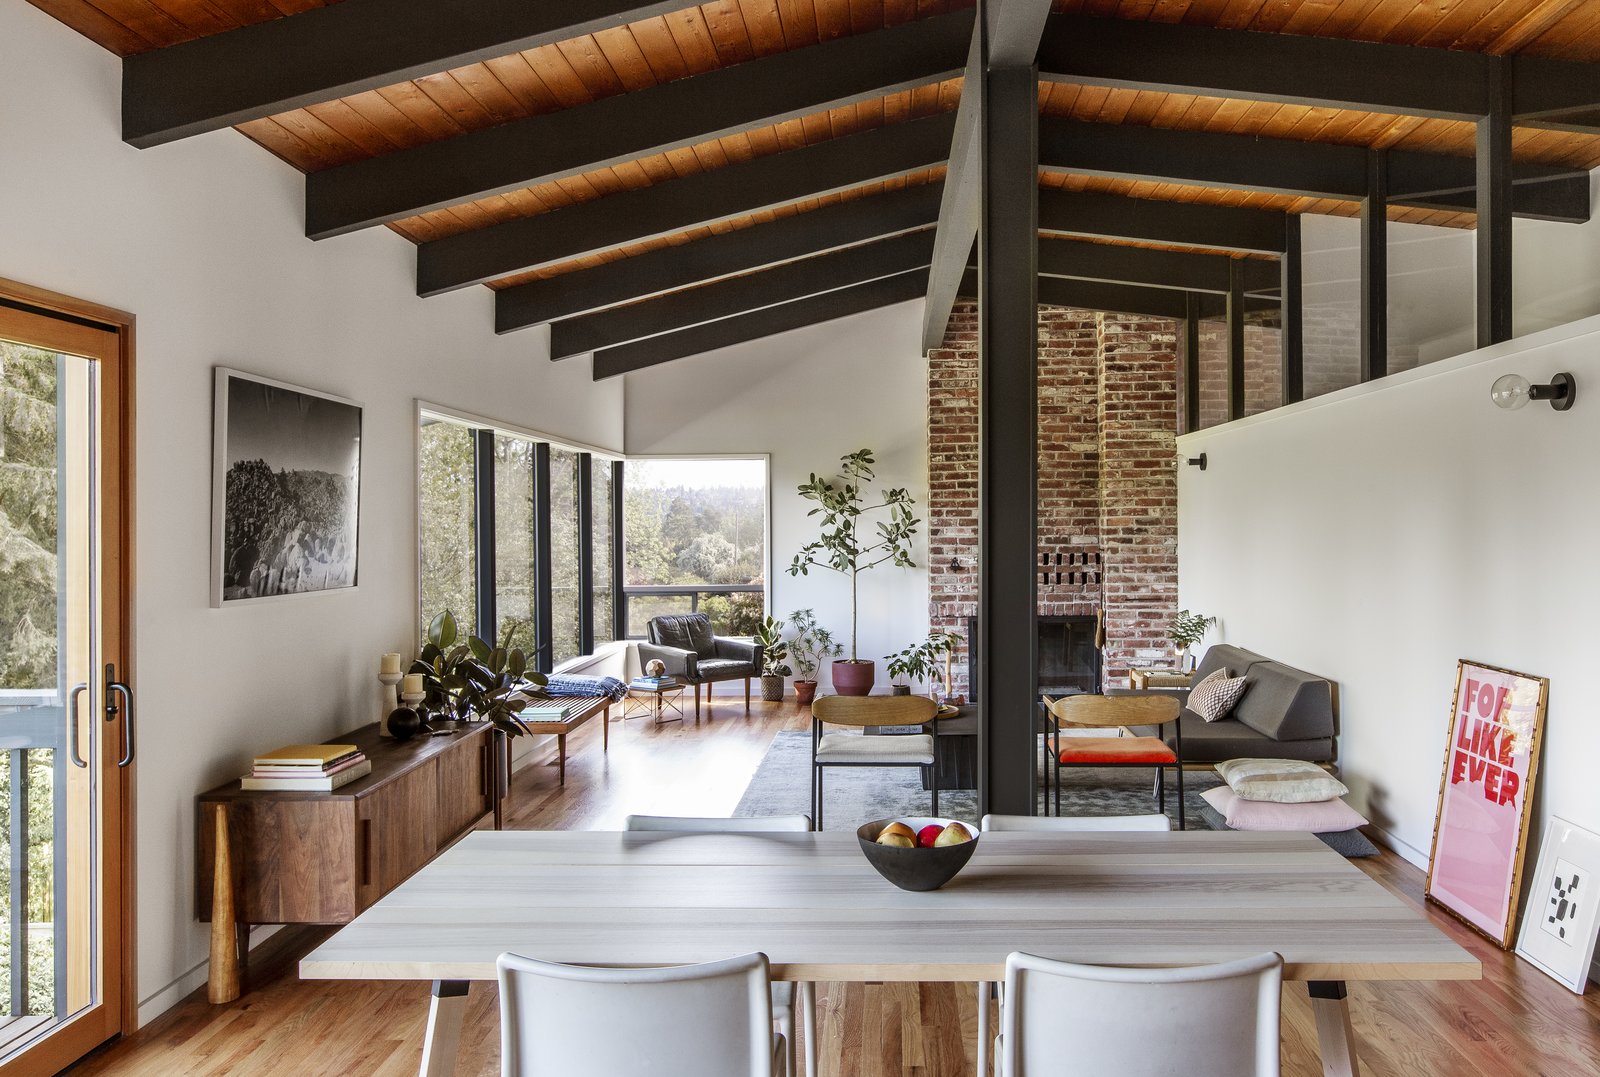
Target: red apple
x,y
928,835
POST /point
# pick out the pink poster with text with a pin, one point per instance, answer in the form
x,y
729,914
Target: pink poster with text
x,y
1486,784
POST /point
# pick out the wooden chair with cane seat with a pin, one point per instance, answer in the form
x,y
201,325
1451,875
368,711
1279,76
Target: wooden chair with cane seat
x,y
870,749
1114,712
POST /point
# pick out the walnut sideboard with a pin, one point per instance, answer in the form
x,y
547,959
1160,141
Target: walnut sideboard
x,y
322,858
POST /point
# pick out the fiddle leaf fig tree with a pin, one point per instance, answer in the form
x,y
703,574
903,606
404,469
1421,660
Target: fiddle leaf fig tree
x,y
844,543
474,681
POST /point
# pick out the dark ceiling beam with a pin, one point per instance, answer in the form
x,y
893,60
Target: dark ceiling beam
x,y
1194,224
339,50
1286,166
630,126
710,336
1119,264
801,235
1314,71
1012,28
676,205
739,295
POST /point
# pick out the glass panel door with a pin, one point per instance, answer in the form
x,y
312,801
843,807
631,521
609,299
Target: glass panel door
x,y
65,730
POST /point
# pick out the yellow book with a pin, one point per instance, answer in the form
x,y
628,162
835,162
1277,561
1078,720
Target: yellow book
x,y
306,755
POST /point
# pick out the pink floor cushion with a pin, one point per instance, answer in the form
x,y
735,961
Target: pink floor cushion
x,y
1317,817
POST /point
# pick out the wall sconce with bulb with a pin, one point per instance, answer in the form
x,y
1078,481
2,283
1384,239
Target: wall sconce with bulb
x,y
1513,391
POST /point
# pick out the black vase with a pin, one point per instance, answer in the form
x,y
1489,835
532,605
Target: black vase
x,y
404,723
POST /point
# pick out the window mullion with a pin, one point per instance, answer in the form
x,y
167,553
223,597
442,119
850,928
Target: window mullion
x,y
483,533
585,554
543,581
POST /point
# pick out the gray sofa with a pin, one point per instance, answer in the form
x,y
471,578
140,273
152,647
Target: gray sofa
x,y
693,655
1285,713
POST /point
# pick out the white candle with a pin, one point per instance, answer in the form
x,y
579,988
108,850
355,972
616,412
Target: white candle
x,y
411,684
389,663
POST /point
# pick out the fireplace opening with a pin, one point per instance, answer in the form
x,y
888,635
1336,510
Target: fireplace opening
x,y
1069,662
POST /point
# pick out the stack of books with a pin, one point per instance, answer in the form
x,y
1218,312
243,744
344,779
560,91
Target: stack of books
x,y
654,684
548,710
310,768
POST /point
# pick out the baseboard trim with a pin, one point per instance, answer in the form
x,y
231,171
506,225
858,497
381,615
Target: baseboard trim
x,y
1409,853
165,998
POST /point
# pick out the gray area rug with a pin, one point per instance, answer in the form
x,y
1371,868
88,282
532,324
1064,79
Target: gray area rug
x,y
855,795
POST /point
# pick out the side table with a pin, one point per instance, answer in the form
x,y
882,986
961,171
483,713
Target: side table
x,y
661,703
1158,678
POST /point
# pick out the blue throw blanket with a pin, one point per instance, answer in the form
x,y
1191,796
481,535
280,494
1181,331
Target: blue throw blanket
x,y
568,685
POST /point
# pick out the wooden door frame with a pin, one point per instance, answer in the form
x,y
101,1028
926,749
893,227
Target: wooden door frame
x,y
117,484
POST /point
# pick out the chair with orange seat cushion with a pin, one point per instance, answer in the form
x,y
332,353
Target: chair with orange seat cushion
x,y
1114,712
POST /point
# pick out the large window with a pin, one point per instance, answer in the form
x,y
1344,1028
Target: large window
x,y
511,540
696,541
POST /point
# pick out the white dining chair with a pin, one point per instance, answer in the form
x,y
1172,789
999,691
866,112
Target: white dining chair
x,y
783,991
1202,1021
1058,824
708,1020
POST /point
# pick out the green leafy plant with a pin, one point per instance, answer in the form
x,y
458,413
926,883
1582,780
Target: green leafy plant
x,y
920,661
841,546
769,634
473,681
1187,629
811,644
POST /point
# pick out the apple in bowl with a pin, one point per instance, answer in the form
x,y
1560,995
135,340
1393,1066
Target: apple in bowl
x,y
918,853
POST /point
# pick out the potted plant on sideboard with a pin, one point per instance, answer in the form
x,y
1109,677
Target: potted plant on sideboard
x,y
769,637
810,646
842,547
474,682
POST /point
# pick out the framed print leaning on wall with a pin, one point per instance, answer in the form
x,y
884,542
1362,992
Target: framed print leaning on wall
x,y
1563,914
285,490
1485,794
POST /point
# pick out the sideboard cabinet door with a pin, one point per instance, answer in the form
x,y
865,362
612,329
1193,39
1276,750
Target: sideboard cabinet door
x,y
465,781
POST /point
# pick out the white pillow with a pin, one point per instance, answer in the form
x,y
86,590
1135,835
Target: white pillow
x,y
1214,697
1280,781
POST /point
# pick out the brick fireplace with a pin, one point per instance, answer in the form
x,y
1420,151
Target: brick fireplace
x,y
1108,412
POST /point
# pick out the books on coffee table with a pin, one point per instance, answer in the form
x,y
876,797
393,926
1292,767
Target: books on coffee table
x,y
655,684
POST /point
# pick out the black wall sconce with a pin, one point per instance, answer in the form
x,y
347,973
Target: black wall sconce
x,y
1198,461
1513,391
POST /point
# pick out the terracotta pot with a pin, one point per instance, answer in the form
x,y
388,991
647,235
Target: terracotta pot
x,y
805,691
854,678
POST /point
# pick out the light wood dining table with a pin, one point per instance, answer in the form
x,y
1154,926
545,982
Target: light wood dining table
x,y
818,910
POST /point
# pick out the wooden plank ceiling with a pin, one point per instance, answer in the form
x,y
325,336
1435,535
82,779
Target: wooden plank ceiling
x,y
699,39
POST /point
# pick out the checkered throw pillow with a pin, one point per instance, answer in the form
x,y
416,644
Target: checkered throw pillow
x,y
1215,696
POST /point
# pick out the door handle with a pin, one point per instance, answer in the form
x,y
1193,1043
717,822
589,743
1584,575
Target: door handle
x,y
72,727
116,687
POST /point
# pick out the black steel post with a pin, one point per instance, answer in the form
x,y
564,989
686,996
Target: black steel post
x,y
1191,363
1375,268
543,576
619,600
1494,209
585,554
1236,304
1008,328
1293,346
486,614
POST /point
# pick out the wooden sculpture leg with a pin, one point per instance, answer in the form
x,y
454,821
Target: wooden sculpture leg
x,y
1336,1037
442,1040
222,983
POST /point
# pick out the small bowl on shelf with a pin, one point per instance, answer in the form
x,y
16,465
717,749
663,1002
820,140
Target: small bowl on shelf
x,y
920,867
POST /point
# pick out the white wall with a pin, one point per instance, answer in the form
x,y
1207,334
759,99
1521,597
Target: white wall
x,y
1378,534
808,397
204,242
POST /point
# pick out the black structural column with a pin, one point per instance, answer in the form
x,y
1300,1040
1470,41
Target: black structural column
x,y
1008,334
1375,269
1294,342
487,614
543,574
1235,340
619,601
1191,363
1494,208
586,625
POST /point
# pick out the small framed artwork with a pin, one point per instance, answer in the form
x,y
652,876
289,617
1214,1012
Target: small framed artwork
x,y
1480,831
285,490
1563,910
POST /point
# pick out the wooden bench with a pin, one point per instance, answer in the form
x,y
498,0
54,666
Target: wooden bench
x,y
587,709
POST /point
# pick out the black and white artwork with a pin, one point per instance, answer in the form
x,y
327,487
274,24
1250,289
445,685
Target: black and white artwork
x,y
1561,915
286,490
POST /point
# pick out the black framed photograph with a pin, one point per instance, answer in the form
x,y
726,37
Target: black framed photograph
x,y
286,490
